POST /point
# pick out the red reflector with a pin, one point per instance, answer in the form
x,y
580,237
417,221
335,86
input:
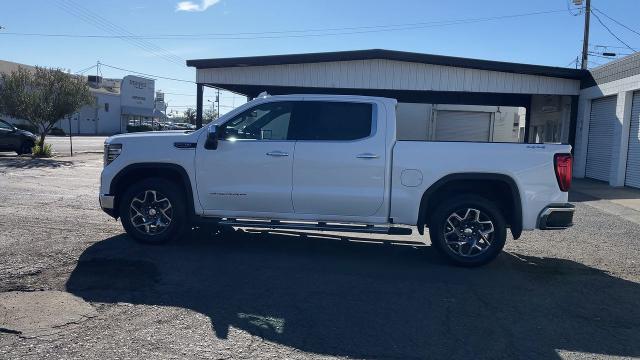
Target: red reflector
x,y
564,166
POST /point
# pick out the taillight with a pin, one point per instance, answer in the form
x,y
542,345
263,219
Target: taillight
x,y
564,165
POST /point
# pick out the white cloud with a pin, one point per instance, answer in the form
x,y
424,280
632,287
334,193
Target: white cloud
x,y
193,6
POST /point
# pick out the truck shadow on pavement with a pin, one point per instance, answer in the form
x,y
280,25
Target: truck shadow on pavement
x,y
364,300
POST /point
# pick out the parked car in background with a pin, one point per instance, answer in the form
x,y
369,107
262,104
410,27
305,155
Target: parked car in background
x,y
167,125
14,139
182,126
333,163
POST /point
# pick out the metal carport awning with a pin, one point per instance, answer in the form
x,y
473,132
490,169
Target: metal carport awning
x,y
407,77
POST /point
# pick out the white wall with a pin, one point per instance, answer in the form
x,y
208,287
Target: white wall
x,y
93,119
109,121
414,120
389,74
550,118
623,89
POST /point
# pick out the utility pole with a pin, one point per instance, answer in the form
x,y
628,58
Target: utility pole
x,y
585,40
218,101
70,135
97,120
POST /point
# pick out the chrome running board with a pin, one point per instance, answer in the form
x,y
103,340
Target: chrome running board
x,y
319,226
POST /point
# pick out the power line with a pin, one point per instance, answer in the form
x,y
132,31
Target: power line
x,y
617,22
437,22
85,70
209,97
574,61
102,23
608,46
193,106
601,56
149,75
290,33
611,32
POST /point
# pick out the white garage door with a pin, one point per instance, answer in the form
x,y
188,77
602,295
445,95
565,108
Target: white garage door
x,y
601,125
633,157
462,126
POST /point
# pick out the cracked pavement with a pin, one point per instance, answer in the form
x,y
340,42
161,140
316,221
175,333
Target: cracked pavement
x,y
255,294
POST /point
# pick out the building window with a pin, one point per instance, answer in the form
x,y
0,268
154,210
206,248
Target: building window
x,y
106,107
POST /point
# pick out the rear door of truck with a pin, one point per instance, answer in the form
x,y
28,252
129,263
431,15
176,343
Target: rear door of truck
x,y
340,158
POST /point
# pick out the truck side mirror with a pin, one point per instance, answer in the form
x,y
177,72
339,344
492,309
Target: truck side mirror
x,y
212,138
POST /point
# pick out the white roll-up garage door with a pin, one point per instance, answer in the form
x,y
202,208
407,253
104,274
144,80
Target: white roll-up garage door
x,y
633,156
601,125
462,126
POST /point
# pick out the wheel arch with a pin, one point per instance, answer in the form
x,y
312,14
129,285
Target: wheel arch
x,y
453,182
136,172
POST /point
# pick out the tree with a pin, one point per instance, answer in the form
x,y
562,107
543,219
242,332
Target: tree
x,y
42,97
190,115
209,115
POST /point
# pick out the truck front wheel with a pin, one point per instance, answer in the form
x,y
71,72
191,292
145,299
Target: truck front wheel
x,y
468,229
153,211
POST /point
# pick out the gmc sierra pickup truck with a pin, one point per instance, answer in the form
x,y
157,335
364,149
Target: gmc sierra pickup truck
x,y
333,163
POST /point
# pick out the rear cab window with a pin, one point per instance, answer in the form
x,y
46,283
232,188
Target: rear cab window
x,y
332,121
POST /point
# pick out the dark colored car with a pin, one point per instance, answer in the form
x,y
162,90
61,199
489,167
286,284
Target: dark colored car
x,y
14,139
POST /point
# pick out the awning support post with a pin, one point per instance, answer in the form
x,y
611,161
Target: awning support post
x,y
199,106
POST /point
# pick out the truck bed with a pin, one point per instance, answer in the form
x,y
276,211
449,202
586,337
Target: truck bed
x,y
419,164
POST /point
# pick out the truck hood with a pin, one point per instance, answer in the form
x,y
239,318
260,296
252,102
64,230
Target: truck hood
x,y
178,135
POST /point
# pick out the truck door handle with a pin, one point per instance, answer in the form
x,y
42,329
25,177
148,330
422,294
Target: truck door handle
x,y
367,156
277,153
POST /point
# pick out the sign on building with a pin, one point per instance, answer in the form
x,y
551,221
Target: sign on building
x,y
137,91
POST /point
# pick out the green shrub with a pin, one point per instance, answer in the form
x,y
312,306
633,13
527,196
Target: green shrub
x,y
138,128
43,152
57,132
27,127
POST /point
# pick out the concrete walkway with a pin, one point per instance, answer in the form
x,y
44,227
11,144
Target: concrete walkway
x,y
621,201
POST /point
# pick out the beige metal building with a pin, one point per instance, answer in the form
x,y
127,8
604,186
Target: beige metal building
x,y
440,97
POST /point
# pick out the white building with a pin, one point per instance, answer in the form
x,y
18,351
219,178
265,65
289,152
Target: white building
x,y
101,118
608,128
117,103
440,98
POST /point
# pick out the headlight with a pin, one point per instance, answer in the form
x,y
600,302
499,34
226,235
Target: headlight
x,y
111,152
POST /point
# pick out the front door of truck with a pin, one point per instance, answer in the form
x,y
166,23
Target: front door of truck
x,y
250,171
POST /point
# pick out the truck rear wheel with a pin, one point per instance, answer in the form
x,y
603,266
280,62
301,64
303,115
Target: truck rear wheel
x,y
153,211
469,230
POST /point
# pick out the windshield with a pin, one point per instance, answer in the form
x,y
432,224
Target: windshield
x,y
6,126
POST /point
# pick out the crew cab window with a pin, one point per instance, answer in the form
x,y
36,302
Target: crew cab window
x,y
332,121
268,121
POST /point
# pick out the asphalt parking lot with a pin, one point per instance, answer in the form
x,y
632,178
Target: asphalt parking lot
x,y
72,285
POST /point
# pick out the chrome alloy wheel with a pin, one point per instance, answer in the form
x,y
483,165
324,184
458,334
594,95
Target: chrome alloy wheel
x,y
468,232
150,212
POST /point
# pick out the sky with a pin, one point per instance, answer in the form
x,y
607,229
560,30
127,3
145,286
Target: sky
x,y
228,28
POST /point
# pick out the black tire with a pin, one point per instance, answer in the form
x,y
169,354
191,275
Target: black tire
x,y
25,148
468,231
171,229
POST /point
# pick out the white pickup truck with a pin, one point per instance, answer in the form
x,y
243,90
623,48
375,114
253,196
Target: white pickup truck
x,y
333,163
